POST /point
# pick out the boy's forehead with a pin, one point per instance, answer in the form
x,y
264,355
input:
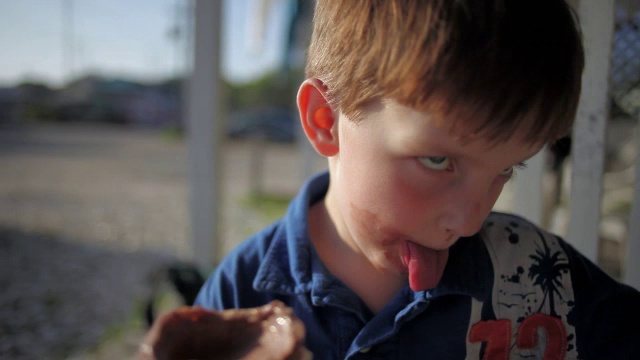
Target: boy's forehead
x,y
426,126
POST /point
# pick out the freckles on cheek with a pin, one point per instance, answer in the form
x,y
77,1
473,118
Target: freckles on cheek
x,y
408,198
395,198
370,226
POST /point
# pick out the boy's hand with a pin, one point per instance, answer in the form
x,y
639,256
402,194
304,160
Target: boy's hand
x,y
269,332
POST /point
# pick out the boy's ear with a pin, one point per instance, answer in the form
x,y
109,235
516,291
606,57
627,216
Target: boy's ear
x,y
317,117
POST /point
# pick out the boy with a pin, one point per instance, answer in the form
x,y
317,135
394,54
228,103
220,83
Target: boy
x,y
425,109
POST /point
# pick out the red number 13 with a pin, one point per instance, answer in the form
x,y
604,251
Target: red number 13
x,y
497,335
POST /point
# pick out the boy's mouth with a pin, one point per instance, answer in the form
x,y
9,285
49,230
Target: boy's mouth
x,y
425,266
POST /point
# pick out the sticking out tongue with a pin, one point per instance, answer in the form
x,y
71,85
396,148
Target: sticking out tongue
x,y
425,266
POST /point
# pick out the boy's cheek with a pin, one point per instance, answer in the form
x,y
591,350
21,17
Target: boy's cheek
x,y
389,213
418,196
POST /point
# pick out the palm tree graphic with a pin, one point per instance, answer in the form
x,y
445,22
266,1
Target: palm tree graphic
x,y
546,272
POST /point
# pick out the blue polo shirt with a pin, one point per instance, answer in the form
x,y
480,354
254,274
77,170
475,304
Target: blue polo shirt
x,y
601,316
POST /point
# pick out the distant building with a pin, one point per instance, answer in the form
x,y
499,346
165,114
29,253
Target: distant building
x,y
25,101
8,102
119,101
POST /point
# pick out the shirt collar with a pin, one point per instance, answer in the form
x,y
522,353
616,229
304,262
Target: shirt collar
x,y
288,266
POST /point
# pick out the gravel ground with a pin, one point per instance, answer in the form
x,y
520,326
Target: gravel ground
x,y
60,298
88,216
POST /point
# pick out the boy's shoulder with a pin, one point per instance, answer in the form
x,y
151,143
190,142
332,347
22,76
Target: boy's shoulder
x,y
540,279
274,262
511,239
271,264
519,249
532,279
230,285
510,225
523,254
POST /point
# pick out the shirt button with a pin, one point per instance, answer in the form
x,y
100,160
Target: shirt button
x,y
365,350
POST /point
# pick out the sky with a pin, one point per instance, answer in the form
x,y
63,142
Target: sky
x,y
44,41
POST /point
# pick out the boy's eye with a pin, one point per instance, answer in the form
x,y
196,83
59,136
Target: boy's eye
x,y
510,170
507,172
435,162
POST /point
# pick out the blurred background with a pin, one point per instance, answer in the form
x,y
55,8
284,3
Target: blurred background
x,y
96,225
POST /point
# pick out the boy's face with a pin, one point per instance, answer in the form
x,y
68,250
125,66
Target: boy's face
x,y
404,189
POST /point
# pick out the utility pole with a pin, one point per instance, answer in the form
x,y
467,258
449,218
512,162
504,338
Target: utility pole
x,y
204,120
67,41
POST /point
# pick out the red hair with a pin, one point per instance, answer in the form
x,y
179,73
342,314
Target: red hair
x,y
492,65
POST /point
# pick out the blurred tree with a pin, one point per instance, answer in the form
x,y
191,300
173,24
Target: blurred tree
x,y
265,91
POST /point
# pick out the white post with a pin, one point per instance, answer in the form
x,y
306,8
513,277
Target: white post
x,y
527,190
203,124
597,20
632,272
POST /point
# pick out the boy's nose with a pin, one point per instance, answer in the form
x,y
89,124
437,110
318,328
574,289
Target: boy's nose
x,y
466,209
465,219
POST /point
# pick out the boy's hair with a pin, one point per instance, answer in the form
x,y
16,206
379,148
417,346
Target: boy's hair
x,y
493,65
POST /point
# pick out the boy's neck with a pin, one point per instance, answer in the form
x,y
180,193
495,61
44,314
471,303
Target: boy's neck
x,y
375,288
